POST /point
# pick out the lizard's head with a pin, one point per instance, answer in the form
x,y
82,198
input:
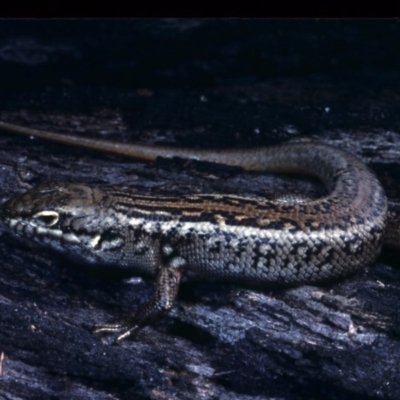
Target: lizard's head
x,y
69,218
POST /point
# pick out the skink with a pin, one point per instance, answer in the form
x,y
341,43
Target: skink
x,y
208,236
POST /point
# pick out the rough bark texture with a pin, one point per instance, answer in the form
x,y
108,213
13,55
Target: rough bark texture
x,y
205,84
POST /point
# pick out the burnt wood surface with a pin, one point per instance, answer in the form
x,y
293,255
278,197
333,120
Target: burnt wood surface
x,y
203,84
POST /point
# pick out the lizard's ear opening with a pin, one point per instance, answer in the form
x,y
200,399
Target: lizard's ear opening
x,y
48,218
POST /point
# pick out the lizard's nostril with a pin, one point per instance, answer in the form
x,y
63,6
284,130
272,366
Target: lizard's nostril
x,y
5,210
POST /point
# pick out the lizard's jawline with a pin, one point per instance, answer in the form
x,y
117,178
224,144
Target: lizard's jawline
x,y
37,232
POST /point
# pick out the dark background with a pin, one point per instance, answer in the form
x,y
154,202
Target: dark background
x,y
203,83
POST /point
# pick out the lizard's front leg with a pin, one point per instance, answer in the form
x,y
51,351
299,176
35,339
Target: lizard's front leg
x,y
167,285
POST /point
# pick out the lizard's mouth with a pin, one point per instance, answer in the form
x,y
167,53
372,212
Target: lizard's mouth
x,y
35,230
38,226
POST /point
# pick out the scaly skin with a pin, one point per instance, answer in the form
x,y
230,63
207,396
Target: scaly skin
x,y
215,237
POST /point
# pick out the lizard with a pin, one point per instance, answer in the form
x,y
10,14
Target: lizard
x,y
208,236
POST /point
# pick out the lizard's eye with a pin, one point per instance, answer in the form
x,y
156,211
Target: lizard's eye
x,y
48,218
